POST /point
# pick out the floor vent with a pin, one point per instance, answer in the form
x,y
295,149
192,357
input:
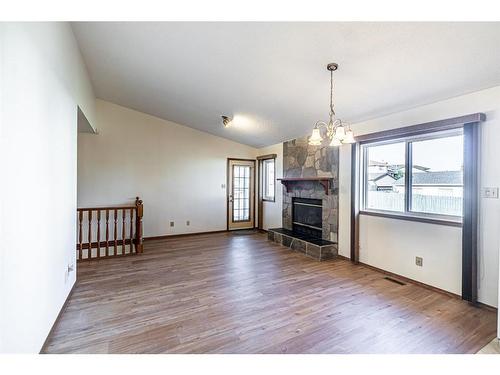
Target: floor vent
x,y
394,280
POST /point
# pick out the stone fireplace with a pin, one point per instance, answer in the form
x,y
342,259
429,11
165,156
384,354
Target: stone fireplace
x,y
310,198
305,161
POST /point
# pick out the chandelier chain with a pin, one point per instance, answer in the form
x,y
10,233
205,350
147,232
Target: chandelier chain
x,y
332,111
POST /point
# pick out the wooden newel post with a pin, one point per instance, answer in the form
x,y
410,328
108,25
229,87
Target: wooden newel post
x,y
138,226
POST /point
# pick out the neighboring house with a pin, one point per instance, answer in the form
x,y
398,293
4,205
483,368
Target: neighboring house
x,y
383,182
385,177
439,183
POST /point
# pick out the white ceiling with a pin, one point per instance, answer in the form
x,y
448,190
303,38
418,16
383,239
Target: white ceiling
x,y
272,76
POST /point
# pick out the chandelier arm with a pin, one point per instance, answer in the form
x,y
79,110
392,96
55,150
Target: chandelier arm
x,y
320,123
337,123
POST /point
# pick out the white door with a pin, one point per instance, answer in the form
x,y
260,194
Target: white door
x,y
241,188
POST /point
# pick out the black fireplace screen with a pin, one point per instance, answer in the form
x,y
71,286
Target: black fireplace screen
x,y
307,216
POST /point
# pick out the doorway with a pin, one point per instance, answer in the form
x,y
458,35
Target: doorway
x,y
240,194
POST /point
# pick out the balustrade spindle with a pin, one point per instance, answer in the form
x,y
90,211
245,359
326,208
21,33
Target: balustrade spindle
x,y
131,245
115,232
80,234
124,212
107,232
89,251
98,233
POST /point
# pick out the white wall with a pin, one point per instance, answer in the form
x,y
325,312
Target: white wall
x,y
176,170
377,247
42,81
440,247
272,211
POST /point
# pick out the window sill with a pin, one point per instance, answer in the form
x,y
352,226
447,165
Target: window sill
x,y
417,218
268,200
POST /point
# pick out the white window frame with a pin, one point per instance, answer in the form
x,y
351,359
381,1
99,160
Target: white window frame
x,y
265,180
407,213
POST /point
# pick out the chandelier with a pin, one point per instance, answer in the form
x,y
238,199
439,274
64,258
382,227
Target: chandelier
x,y
337,131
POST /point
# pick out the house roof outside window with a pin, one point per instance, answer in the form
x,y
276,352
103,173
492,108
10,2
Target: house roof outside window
x,y
440,178
421,176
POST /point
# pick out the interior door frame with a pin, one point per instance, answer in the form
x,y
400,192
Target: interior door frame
x,y
228,174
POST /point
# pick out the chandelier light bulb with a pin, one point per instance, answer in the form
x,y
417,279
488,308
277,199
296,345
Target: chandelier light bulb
x,y
315,139
349,137
340,132
335,142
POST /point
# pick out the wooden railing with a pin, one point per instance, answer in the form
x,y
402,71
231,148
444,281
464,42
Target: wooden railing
x,y
122,227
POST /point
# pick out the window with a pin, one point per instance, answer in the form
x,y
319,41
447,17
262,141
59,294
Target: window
x,y
385,168
268,179
438,176
419,176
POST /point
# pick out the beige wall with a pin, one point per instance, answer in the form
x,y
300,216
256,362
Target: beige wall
x,y
42,81
393,244
176,170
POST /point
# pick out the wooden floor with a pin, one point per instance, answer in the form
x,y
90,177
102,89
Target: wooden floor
x,y
239,293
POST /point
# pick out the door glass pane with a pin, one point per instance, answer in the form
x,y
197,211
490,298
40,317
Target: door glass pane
x,y
241,193
437,176
385,177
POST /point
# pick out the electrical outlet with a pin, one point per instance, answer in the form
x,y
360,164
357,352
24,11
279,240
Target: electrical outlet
x,y
171,223
187,222
419,261
490,192
69,269
223,186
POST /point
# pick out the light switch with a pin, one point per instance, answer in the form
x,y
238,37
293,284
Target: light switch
x,y
490,192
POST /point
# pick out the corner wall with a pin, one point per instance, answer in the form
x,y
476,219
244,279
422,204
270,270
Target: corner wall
x,y
392,245
42,81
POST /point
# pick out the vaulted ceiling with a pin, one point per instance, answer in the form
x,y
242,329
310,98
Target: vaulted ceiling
x,y
272,77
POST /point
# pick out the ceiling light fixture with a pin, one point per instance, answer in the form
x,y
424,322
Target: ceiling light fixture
x,y
226,121
337,131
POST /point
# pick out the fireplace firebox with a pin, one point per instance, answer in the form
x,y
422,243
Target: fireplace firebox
x,y
307,216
